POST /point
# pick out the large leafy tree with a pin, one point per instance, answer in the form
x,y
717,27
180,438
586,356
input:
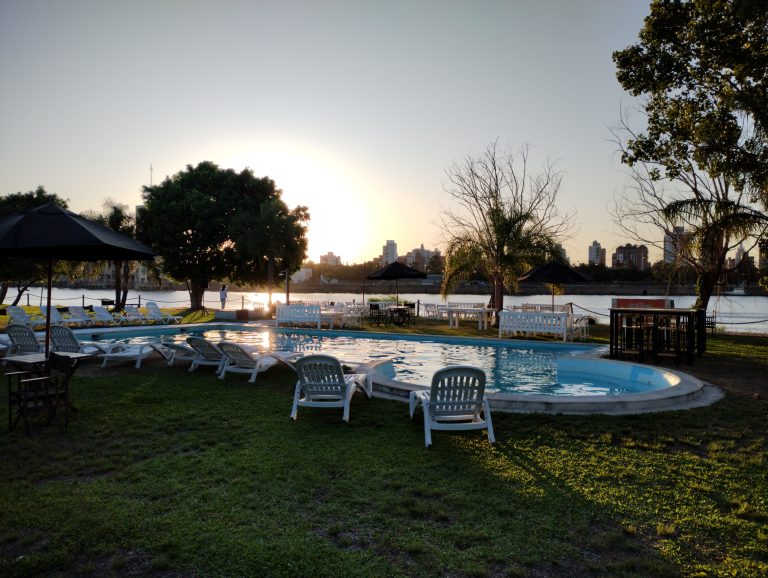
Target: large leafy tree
x,y
701,71
23,273
271,239
200,222
505,219
118,217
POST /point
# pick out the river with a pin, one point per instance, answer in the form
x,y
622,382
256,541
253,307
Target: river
x,y
735,313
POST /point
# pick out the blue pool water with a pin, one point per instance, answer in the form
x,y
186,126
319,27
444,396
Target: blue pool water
x,y
511,367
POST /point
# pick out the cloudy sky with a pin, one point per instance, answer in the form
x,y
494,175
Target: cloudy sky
x,y
355,108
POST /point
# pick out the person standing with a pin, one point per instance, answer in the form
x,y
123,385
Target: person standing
x,y
223,296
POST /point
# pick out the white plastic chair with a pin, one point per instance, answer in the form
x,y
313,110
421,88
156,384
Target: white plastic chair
x,y
23,340
101,315
20,317
154,314
63,339
80,315
455,401
57,318
133,315
322,383
178,352
124,352
238,360
206,354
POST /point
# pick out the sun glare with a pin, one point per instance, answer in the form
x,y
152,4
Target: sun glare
x,y
339,206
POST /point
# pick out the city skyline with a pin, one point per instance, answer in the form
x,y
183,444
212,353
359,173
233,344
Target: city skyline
x,y
355,109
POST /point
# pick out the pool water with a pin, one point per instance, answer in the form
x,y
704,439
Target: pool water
x,y
511,367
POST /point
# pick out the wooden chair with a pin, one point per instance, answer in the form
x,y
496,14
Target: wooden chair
x,y
322,383
455,401
377,315
33,395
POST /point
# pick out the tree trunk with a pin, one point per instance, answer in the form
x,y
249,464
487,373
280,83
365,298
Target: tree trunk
x,y
126,280
19,292
196,294
117,267
497,299
705,286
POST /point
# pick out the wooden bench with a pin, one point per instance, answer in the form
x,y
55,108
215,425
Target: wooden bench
x,y
304,314
534,322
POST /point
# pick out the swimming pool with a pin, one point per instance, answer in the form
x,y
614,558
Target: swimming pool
x,y
512,367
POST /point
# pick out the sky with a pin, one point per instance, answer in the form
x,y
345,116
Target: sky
x,y
354,108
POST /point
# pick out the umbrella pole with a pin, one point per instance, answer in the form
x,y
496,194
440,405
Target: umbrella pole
x,y
48,309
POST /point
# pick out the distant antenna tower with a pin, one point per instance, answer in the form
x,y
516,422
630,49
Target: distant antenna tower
x,y
150,175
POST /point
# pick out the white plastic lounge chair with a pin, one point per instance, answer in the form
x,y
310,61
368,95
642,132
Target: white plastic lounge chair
x,y
80,315
23,340
154,314
133,315
125,352
20,317
63,339
178,352
56,316
322,383
101,315
207,354
238,360
454,402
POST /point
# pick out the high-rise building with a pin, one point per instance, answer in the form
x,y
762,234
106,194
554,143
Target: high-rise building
x,y
330,259
740,253
673,244
630,257
419,258
596,254
559,250
388,253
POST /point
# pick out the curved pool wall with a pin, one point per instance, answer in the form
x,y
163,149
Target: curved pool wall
x,y
673,389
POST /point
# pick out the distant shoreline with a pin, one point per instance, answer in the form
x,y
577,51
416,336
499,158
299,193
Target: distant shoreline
x,y
405,286
652,289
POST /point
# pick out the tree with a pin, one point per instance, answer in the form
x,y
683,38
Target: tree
x,y
117,217
506,219
271,238
23,273
701,69
199,221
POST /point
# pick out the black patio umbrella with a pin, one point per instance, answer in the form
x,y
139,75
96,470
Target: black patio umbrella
x,y
395,271
555,274
55,234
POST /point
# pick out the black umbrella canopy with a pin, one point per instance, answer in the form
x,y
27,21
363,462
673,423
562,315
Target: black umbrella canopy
x,y
395,271
553,272
50,232
55,234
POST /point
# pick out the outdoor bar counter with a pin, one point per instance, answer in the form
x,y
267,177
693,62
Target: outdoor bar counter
x,y
653,334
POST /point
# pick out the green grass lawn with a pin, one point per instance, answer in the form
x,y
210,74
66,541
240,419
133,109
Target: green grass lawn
x,y
167,473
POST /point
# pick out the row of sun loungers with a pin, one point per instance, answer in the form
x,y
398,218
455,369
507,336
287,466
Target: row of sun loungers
x,y
455,401
79,317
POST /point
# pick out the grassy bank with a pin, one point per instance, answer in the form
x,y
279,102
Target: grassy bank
x,y
167,473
